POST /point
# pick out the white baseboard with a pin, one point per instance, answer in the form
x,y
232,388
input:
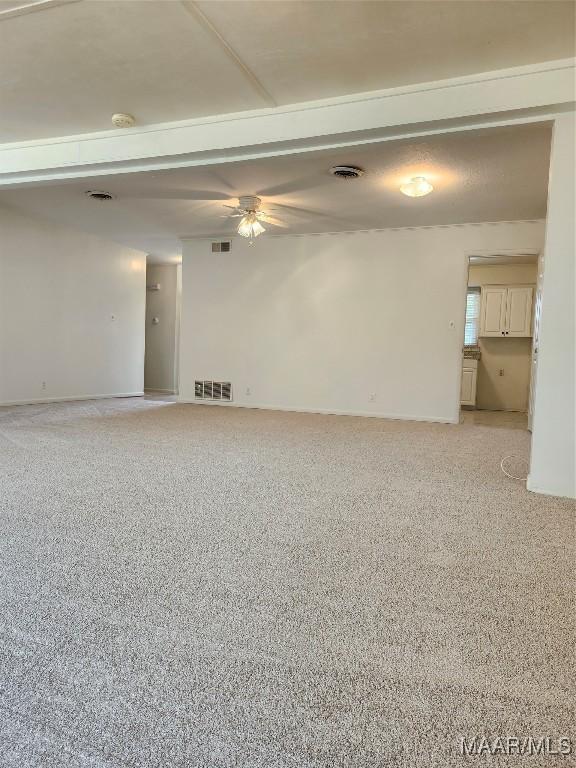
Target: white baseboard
x,y
69,398
564,494
501,410
325,411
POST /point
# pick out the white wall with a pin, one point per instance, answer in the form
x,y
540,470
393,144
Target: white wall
x,y
58,293
509,392
160,360
322,322
553,461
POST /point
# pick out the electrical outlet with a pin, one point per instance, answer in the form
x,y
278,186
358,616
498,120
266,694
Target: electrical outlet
x,y
43,385
372,396
248,391
501,372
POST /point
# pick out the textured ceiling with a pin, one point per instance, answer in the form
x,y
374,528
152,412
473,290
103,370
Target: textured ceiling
x,y
497,174
66,69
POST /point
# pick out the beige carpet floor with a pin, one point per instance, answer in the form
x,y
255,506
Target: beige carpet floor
x,y
201,587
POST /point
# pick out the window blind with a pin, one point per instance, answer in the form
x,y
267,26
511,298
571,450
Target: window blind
x,y
472,317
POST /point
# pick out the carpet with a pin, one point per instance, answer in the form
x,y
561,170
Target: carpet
x,y
192,586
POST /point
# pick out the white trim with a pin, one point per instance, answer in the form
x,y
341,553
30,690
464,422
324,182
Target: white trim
x,y
519,93
502,410
243,154
32,7
232,236
355,99
200,18
491,253
546,492
70,398
323,411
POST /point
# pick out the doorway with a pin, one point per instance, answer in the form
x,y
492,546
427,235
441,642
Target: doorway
x,y
163,299
498,363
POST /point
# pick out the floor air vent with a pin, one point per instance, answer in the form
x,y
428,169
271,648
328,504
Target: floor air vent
x,y
213,390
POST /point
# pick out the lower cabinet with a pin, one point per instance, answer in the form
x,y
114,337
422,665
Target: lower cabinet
x,y
468,383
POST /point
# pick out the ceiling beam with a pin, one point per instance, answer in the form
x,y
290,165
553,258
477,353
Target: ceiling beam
x,y
520,94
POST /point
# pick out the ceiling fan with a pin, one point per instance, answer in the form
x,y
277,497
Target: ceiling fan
x,y
252,217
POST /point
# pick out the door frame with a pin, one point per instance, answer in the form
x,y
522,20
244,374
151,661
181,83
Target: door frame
x,y
495,253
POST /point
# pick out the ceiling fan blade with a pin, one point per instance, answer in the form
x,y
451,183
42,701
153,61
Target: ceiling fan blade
x,y
304,211
296,185
274,221
307,212
177,194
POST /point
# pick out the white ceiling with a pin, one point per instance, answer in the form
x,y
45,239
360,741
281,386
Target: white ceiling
x,y
497,174
65,69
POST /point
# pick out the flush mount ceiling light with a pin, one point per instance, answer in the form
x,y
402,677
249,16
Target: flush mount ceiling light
x,y
417,187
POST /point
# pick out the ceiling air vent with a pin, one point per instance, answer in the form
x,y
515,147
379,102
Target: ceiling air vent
x,y
346,172
101,196
225,246
213,390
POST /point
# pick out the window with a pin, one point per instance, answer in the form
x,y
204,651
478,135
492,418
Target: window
x,y
472,317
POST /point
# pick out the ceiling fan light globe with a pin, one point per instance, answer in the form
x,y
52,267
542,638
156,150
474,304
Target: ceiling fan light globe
x,y
250,227
245,227
257,228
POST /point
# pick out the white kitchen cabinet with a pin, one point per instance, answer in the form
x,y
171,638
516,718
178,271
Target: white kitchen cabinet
x,y
493,310
506,310
468,382
519,311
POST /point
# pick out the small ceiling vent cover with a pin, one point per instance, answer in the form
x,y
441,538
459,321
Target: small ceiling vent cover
x,y
101,196
346,171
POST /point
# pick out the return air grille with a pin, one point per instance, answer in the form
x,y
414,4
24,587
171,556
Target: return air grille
x,y
223,247
213,390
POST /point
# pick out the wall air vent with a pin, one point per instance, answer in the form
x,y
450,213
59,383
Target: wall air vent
x,y
225,246
213,390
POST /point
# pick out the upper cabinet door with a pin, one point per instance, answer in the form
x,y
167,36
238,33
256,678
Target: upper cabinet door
x,y
519,311
493,310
